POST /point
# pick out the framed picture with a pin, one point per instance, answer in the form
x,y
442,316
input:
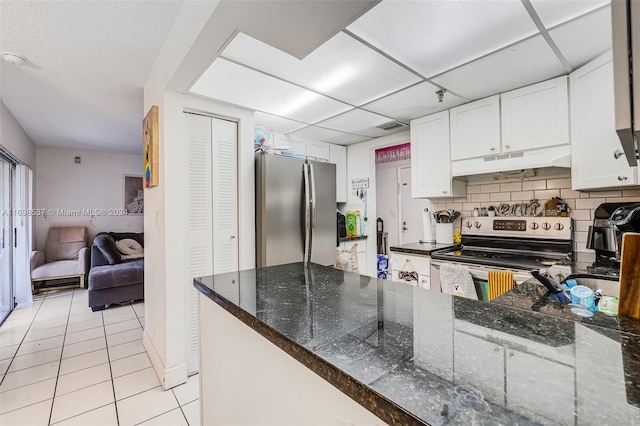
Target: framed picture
x,y
150,147
133,195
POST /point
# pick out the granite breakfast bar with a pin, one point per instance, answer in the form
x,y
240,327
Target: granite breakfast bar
x,y
295,345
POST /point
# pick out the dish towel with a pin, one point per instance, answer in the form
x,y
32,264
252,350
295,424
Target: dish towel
x,y
72,234
457,280
499,283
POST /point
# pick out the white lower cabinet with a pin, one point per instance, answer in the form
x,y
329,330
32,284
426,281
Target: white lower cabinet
x,y
537,385
535,380
479,363
401,262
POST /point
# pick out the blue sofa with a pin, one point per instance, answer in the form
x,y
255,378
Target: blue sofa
x,y
112,279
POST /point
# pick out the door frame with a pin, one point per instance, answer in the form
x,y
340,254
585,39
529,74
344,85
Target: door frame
x,y
399,201
8,233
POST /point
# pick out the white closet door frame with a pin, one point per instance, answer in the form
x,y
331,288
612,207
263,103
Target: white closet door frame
x,y
24,230
212,146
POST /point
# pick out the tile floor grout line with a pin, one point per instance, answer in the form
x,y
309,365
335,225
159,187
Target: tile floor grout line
x,y
37,365
26,406
113,385
55,388
73,417
161,414
142,391
23,337
84,387
82,369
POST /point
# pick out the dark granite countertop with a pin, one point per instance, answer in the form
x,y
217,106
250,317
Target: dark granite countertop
x,y
356,238
424,249
412,356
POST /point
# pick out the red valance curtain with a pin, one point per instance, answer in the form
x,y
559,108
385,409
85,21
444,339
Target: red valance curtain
x,y
393,153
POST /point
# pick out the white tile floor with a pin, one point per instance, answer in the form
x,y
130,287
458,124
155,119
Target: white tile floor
x,y
62,364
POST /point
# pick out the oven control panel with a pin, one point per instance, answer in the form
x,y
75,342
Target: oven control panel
x,y
560,228
509,225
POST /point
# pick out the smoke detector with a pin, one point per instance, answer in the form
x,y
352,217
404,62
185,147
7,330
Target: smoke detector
x,y
12,58
392,125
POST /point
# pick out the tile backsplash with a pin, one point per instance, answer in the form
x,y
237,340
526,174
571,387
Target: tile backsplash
x,y
582,204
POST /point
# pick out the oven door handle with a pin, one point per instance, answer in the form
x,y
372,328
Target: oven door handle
x,y
482,272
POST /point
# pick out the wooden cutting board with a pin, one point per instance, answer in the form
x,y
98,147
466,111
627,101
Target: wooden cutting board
x,y
629,303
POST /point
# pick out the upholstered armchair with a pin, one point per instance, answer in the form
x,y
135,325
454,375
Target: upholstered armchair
x,y
66,255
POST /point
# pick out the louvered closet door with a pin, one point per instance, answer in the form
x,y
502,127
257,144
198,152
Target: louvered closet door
x,y
225,196
212,210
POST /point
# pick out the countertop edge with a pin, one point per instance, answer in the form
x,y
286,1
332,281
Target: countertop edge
x,y
356,238
371,400
420,251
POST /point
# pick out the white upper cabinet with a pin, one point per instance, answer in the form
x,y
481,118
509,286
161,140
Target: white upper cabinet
x,y
318,150
338,156
431,159
475,129
536,116
596,160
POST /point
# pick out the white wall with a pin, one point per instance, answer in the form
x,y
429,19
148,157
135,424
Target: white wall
x,y
361,162
166,225
165,212
14,139
96,183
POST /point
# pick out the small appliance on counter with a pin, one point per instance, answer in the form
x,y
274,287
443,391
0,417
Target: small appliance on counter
x,y
610,222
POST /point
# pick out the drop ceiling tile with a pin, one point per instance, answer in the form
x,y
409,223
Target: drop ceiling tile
x,y
358,122
554,12
342,67
434,36
232,83
584,39
277,124
525,63
328,135
414,102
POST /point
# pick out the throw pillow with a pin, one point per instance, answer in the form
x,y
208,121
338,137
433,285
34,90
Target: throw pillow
x,y
107,246
130,249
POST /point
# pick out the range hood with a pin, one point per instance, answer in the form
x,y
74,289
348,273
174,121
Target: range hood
x,y
557,156
625,17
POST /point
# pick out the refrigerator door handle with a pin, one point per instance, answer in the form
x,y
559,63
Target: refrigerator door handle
x,y
307,215
312,175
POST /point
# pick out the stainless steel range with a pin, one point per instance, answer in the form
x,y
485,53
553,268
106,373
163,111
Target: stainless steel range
x,y
515,244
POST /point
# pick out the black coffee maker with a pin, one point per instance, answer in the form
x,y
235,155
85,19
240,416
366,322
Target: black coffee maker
x,y
610,222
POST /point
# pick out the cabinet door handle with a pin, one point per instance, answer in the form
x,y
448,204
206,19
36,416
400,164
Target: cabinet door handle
x,y
617,154
444,191
507,146
621,178
493,148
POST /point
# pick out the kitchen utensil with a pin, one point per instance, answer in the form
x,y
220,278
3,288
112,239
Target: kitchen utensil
x,y
544,278
629,303
445,216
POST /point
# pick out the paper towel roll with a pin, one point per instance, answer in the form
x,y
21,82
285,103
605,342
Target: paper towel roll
x,y
427,227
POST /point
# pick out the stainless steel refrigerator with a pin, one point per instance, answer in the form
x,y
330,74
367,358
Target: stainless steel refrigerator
x,y
295,211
